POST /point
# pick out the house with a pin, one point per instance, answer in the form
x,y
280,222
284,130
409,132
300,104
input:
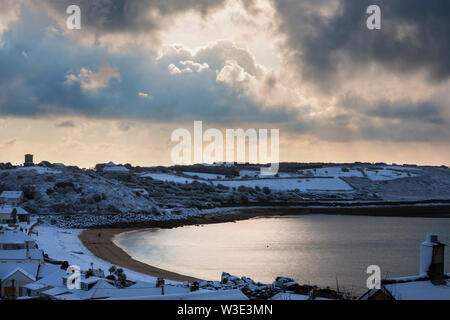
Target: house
x,y
431,283
22,215
116,171
91,288
7,215
49,276
14,276
23,255
16,240
11,198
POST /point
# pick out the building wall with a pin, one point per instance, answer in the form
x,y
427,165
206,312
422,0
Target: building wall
x,y
12,246
13,285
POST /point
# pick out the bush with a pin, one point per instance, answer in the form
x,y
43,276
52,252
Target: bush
x,y
242,189
244,198
222,187
64,265
266,190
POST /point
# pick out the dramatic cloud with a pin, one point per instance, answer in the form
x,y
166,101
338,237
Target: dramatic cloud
x,y
9,12
120,23
324,36
310,68
93,81
63,78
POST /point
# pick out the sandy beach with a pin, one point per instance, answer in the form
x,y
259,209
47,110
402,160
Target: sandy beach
x,y
104,248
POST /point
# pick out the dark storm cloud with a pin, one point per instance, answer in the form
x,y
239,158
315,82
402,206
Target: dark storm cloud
x,y
110,16
414,35
38,86
423,112
399,121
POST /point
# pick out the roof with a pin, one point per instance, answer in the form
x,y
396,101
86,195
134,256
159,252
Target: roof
x,y
11,194
20,270
102,289
115,169
14,236
57,290
6,210
30,269
50,270
21,211
419,290
51,276
21,254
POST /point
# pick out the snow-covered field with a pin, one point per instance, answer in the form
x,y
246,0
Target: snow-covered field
x,y
303,184
257,174
35,169
337,172
387,174
168,177
206,176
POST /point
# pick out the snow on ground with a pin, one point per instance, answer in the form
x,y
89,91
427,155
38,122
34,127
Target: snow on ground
x,y
169,177
257,174
64,245
387,174
337,172
36,169
318,184
207,176
235,294
293,296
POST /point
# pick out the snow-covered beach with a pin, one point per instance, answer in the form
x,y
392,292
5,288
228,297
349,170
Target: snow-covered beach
x,y
66,245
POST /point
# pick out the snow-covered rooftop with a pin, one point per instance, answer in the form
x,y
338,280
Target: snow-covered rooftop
x,y
6,210
419,290
20,254
8,268
116,169
14,236
11,194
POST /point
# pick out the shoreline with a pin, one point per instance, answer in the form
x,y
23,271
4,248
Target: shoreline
x,y
104,248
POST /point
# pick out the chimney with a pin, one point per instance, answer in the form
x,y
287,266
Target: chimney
x,y
432,259
28,250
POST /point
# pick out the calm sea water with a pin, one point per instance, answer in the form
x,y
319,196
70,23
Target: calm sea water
x,y
313,249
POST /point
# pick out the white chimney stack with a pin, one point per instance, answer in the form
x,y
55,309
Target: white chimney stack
x,y
432,257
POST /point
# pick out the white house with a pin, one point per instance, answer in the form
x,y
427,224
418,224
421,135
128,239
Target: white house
x,y
116,170
14,276
15,240
22,215
49,276
7,215
11,198
431,283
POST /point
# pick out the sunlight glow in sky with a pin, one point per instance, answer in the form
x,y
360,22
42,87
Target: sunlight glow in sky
x,y
137,70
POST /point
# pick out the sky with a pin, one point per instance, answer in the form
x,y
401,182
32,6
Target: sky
x,y
116,89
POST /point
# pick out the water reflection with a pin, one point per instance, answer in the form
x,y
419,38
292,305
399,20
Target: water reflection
x,y
313,249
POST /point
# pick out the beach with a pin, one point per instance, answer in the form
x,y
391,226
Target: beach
x,y
104,248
